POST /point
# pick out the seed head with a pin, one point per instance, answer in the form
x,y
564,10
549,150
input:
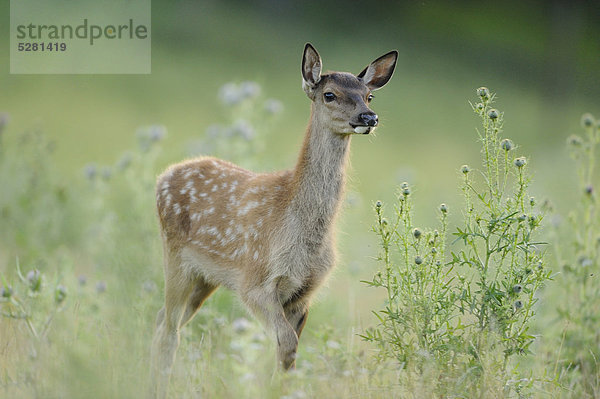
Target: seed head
x,y
6,291
434,250
589,189
518,305
483,92
506,144
100,287
479,107
60,293
493,114
443,208
378,204
417,233
574,140
517,288
418,260
436,233
532,201
384,222
520,162
34,277
465,169
406,191
587,120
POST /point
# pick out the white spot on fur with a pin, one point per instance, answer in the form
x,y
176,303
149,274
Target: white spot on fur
x,y
177,208
255,255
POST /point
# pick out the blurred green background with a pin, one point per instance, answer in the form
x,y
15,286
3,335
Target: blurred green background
x,y
540,57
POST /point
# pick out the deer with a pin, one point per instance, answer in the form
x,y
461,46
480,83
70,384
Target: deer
x,y
268,237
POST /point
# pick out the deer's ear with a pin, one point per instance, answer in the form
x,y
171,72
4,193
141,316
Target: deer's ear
x,y
380,71
311,69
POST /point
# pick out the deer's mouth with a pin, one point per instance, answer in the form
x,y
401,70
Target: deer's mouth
x,y
361,129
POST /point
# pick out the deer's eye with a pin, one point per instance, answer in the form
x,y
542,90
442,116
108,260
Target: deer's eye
x,y
329,97
369,98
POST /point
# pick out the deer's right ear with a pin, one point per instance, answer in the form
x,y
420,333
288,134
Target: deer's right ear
x,y
311,69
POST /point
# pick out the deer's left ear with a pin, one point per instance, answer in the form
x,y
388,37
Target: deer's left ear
x,y
380,71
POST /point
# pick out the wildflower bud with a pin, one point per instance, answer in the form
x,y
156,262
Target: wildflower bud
x,y
506,144
100,287
378,204
587,120
465,169
520,162
443,208
6,291
574,140
493,114
479,107
518,305
34,278
434,250
438,263
540,265
418,260
436,233
406,191
417,233
384,222
483,92
589,189
60,293
517,288
522,217
532,201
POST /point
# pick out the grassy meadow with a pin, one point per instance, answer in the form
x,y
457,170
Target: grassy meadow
x,y
80,252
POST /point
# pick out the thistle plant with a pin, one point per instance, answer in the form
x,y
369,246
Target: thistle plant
x,y
579,254
480,294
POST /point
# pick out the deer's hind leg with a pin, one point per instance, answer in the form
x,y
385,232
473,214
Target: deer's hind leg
x,y
178,289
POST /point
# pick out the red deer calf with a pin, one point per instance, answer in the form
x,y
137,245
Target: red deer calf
x,y
267,236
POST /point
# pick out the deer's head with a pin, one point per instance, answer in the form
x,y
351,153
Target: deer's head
x,y
342,99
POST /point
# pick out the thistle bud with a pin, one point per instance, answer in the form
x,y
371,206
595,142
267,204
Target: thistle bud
x,y
483,92
522,217
465,169
378,204
6,291
479,107
493,114
406,191
417,233
574,140
418,260
384,222
518,305
532,201
60,293
589,189
34,278
520,162
443,208
506,145
587,120
517,288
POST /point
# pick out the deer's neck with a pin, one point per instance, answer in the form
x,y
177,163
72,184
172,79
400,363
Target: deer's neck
x,y
319,178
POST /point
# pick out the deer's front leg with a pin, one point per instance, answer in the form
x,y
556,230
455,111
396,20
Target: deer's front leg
x,y
266,306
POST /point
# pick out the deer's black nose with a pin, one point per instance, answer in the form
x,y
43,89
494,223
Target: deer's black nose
x,y
368,118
